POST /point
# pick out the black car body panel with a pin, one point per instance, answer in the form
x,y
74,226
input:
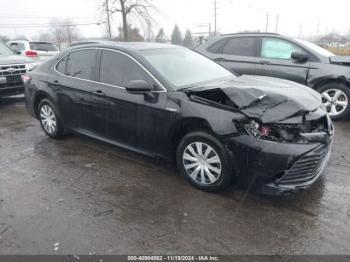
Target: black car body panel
x,y
153,122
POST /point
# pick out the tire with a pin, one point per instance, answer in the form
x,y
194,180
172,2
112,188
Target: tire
x,y
53,125
332,103
220,173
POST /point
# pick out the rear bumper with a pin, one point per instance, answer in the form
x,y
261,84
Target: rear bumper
x,y
10,91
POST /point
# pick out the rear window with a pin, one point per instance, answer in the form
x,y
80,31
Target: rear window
x,y
240,46
39,46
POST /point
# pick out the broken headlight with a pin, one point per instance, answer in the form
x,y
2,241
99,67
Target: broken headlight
x,y
282,133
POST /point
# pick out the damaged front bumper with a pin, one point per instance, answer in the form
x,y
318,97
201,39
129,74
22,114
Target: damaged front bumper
x,y
274,168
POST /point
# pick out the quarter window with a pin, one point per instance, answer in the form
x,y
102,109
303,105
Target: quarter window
x,y
278,48
240,46
118,69
61,66
81,64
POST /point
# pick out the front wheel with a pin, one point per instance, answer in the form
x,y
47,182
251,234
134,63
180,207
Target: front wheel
x,y
203,161
336,97
49,120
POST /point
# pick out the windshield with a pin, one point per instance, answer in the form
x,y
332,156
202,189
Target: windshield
x,y
316,48
40,46
4,50
183,67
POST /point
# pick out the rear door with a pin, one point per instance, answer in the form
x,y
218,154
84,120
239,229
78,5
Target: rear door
x,y
275,60
72,84
239,54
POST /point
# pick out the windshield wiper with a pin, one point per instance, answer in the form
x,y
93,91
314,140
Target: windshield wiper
x,y
186,88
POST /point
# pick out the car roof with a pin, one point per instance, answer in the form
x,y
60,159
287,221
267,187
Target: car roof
x,y
132,46
29,41
252,33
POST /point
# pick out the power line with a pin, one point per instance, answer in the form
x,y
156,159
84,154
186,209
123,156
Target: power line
x,y
47,25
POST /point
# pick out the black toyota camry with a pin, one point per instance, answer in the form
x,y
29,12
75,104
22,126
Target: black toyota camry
x,y
267,134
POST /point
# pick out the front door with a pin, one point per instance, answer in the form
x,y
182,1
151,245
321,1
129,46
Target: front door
x,y
117,114
275,60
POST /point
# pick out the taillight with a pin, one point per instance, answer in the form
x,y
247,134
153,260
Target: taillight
x,y
31,53
26,78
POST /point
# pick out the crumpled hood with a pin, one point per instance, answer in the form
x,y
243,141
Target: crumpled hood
x,y
269,99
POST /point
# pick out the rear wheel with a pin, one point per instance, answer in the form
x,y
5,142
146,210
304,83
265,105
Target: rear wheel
x,y
203,161
49,120
336,98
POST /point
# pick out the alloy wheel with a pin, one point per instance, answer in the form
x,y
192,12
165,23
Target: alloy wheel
x,y
335,101
48,119
202,163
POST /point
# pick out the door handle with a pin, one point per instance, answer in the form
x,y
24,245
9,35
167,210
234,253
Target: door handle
x,y
264,62
55,83
99,93
219,59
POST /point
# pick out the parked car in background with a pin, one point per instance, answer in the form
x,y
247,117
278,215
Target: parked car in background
x,y
300,61
161,100
38,50
12,68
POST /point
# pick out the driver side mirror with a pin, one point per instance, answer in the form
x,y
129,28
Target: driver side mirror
x,y
299,57
138,86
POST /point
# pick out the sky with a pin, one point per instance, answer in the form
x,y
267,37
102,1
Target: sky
x,y
298,18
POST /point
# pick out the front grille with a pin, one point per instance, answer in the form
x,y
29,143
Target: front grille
x,y
306,168
10,70
12,75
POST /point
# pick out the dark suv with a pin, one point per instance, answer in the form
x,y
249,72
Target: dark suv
x,y
274,55
169,101
12,67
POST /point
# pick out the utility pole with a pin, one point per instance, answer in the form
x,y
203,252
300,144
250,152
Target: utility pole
x,y
69,34
215,16
108,21
277,18
267,21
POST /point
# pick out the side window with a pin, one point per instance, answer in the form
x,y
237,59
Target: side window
x,y
18,46
278,48
81,64
118,69
217,46
61,66
240,46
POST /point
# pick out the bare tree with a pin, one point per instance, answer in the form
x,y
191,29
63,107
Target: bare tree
x,y
161,37
45,37
63,31
137,8
4,38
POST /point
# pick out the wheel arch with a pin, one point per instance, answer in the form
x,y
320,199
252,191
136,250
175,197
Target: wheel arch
x,y
40,95
324,81
185,126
